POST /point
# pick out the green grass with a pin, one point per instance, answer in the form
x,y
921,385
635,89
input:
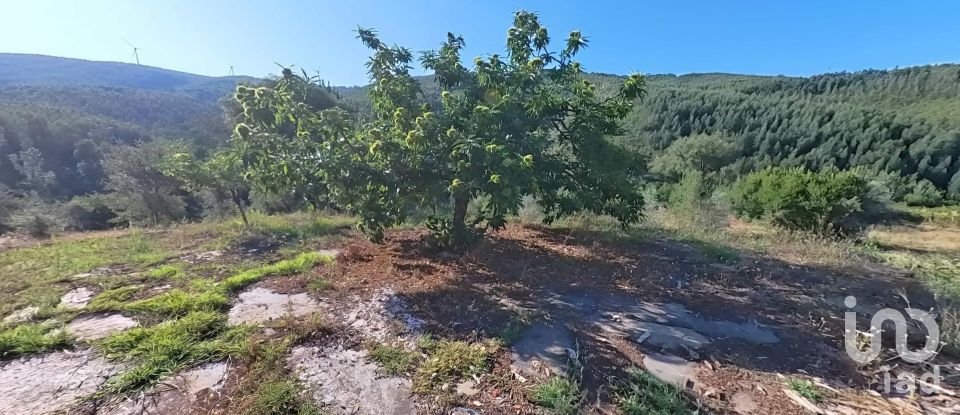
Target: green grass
x,y
157,351
316,285
449,361
177,302
293,226
280,397
559,395
643,394
393,360
31,338
299,264
29,273
165,272
806,389
512,331
113,299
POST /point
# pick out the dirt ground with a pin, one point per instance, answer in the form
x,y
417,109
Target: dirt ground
x,y
730,335
516,274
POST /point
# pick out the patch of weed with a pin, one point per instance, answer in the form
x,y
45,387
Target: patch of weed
x,y
113,299
512,331
806,389
452,360
177,302
393,360
296,265
165,272
643,394
317,285
31,338
426,342
280,397
167,347
559,395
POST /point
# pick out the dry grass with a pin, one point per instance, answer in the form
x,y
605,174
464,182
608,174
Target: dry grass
x,y
927,237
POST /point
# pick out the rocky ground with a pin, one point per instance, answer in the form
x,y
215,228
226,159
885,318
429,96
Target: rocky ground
x,y
731,336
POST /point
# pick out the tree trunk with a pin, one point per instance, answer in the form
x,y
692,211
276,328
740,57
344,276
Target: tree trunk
x,y
459,218
243,212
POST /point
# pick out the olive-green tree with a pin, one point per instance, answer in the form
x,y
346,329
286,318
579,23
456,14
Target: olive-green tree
x,y
527,123
222,175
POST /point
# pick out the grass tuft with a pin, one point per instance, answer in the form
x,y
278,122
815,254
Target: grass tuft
x,y
113,299
299,264
32,338
177,302
167,347
643,394
165,272
393,360
452,360
280,397
559,395
806,389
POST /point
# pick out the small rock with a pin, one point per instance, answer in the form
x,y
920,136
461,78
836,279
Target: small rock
x,y
82,275
21,315
468,388
464,411
76,298
99,326
743,403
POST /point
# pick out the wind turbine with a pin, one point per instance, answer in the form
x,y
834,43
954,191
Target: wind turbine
x,y
136,54
231,71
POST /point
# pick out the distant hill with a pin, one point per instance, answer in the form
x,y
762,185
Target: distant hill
x,y
40,70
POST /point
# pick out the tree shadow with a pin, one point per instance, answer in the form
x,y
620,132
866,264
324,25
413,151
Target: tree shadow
x,y
531,274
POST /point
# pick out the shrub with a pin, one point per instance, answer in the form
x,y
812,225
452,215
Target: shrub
x,y
924,193
797,198
89,213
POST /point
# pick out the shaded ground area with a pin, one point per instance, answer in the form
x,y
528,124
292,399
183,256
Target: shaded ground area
x,y
719,330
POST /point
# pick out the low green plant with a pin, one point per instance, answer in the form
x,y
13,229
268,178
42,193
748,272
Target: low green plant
x,y
177,302
559,395
113,299
449,361
643,394
157,351
32,338
165,272
317,285
280,397
806,389
393,360
512,330
299,264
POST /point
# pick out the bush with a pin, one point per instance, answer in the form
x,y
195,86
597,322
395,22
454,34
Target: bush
x,y
89,213
924,193
797,198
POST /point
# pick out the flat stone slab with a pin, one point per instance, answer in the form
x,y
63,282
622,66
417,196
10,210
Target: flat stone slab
x,y
178,394
21,315
344,382
95,327
543,349
669,369
664,325
51,382
381,316
77,298
259,305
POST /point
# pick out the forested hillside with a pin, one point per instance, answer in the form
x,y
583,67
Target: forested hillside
x,y
61,119
905,121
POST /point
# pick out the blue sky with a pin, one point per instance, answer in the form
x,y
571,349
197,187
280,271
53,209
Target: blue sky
x,y
757,37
